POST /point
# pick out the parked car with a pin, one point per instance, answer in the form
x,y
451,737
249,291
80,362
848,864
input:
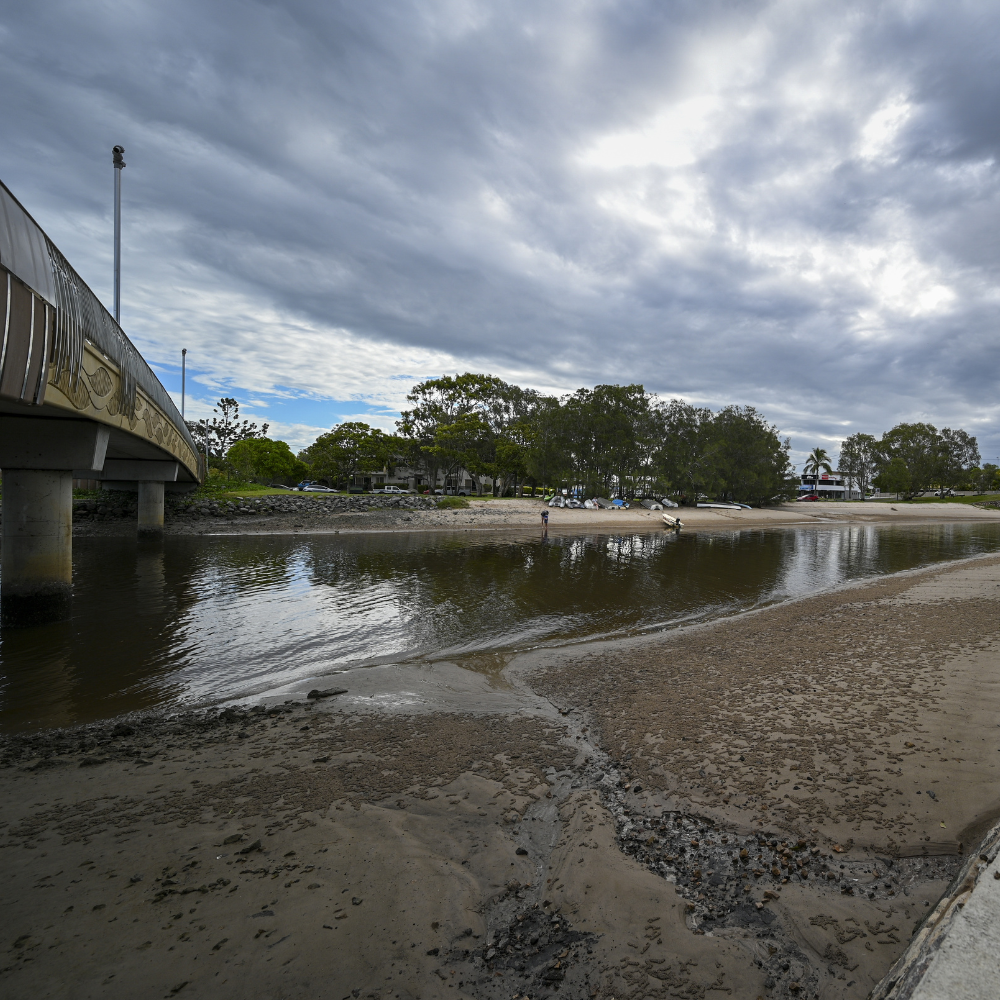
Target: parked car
x,y
308,486
391,489
807,497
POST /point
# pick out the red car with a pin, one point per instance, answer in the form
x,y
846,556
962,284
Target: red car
x,y
808,496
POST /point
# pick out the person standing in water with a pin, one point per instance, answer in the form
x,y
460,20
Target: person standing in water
x,y
545,518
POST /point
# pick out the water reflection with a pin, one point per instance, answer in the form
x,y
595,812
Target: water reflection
x,y
196,620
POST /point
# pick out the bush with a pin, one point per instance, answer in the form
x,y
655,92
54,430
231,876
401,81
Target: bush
x,y
451,503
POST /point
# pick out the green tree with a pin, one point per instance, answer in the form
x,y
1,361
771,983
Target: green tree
x,y
751,461
958,454
685,457
919,447
859,461
894,477
985,479
216,436
817,463
349,449
263,459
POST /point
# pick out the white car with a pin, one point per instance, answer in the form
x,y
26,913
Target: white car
x,y
391,489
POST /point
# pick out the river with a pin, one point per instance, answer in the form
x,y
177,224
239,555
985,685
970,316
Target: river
x,y
202,620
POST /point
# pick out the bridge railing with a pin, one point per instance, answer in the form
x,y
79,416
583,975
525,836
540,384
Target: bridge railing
x,y
28,253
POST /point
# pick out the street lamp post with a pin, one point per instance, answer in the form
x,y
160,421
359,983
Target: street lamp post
x,y
184,351
117,155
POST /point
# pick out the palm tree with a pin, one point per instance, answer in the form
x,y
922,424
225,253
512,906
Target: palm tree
x,y
818,460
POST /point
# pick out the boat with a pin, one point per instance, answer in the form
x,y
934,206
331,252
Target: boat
x,y
672,522
722,506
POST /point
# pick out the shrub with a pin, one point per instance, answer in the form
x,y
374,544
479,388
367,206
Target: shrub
x,y
449,503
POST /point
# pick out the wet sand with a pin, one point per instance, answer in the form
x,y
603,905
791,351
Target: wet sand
x,y
574,825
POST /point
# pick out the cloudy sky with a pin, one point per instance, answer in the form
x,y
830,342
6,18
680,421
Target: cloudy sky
x,y
789,204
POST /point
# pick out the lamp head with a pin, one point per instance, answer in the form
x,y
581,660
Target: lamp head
x,y
117,153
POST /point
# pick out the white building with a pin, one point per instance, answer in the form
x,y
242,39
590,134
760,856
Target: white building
x,y
831,486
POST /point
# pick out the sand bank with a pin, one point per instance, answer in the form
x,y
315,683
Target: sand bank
x,y
524,512
727,810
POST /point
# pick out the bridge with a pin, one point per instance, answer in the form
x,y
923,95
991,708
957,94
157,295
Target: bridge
x,y
77,401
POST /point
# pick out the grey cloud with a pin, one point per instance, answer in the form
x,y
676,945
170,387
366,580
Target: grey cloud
x,y
414,173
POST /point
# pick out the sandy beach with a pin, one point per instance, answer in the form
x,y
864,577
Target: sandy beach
x,y
764,806
315,513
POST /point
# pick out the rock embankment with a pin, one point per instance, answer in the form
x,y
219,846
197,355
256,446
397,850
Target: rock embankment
x,y
117,505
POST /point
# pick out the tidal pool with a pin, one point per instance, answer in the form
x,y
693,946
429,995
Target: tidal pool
x,y
200,620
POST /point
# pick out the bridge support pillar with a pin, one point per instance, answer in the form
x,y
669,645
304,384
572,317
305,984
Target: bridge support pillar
x,y
150,508
38,455
36,563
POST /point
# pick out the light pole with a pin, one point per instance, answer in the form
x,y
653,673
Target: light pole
x,y
119,164
184,351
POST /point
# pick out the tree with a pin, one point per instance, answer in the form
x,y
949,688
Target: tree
x,y
263,459
817,462
460,419
985,479
958,454
685,458
919,448
350,448
545,454
750,461
216,436
894,477
859,461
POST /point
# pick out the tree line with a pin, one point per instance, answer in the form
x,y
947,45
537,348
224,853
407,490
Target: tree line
x,y
609,440
910,460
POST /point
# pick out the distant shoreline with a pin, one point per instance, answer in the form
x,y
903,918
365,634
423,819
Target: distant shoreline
x,y
524,513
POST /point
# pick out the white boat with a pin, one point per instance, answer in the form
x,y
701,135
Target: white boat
x,y
722,506
672,522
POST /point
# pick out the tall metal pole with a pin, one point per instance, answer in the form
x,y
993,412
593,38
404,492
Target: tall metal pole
x,y
116,154
184,351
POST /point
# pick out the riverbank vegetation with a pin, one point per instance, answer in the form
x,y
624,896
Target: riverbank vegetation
x,y
913,459
609,440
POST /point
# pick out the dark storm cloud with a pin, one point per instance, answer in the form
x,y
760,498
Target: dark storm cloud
x,y
788,204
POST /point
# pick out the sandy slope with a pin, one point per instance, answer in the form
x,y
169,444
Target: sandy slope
x,y
368,845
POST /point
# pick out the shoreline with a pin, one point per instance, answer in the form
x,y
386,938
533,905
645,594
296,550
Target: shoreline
x,y
245,519
632,810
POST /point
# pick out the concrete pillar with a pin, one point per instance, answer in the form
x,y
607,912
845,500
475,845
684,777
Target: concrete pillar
x,y
36,559
150,508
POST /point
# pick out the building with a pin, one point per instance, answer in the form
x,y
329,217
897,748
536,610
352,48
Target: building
x,y
831,486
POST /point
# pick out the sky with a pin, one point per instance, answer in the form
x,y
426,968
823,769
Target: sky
x,y
792,205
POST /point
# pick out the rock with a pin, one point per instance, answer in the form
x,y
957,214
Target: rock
x,y
93,761
313,885
329,693
356,901
521,851
255,846
233,839
321,760
135,878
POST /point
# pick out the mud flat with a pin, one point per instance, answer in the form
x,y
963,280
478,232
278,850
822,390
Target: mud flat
x,y
768,805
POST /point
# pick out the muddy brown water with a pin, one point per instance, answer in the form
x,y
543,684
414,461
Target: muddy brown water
x,y
201,620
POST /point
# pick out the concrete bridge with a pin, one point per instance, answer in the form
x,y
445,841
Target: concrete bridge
x,y
77,400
